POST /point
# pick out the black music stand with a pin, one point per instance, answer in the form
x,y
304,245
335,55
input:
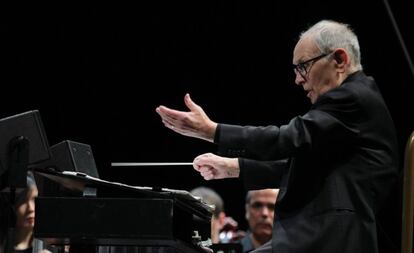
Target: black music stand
x,y
66,156
139,216
23,142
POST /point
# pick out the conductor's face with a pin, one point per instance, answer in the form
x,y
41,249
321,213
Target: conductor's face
x,y
314,70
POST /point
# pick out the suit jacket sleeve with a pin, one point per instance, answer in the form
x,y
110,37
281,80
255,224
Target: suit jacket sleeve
x,y
314,134
262,174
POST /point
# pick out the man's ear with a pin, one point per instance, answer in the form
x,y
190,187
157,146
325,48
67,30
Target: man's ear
x,y
341,56
247,213
337,57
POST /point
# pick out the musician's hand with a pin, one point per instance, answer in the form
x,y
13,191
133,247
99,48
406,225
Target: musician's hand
x,y
212,166
206,249
194,123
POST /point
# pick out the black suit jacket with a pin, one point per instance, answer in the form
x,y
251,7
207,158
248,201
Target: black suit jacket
x,y
340,160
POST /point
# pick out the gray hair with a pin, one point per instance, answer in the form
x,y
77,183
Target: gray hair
x,y
210,197
250,193
329,35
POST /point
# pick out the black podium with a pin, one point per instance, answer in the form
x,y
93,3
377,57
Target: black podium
x,y
106,213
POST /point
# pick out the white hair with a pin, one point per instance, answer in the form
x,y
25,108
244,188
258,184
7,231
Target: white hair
x,y
329,35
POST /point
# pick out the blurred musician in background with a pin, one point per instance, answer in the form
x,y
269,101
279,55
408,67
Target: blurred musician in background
x,y
260,206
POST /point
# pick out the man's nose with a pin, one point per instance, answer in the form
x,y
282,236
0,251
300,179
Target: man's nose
x,y
266,211
299,80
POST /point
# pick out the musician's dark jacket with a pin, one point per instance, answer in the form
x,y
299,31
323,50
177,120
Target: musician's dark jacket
x,y
335,167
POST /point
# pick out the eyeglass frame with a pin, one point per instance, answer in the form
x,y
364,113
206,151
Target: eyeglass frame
x,y
302,65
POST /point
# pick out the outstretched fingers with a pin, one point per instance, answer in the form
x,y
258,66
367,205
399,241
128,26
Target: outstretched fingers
x,y
169,114
190,103
173,119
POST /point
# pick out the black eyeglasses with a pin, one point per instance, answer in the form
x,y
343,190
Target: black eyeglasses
x,y
303,68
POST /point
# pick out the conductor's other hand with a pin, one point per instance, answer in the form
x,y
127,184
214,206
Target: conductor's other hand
x,y
194,123
213,166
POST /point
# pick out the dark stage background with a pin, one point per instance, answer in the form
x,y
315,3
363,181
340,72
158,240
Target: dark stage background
x,y
97,72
